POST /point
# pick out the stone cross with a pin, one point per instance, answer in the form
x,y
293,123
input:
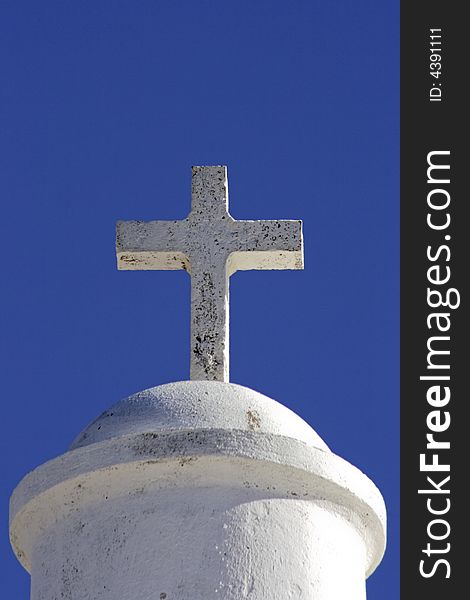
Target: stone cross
x,y
210,245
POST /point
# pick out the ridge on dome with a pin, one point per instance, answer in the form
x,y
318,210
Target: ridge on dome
x,y
198,405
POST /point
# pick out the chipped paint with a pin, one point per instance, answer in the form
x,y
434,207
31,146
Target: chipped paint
x,y
254,420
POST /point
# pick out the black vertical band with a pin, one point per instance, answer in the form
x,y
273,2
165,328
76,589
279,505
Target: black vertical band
x,y
435,251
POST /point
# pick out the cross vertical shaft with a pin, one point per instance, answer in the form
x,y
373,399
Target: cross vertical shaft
x,y
209,278
209,324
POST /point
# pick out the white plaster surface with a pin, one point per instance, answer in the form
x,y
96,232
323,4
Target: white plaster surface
x,y
210,245
159,501
192,405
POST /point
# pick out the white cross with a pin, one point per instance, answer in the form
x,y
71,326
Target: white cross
x,y
210,245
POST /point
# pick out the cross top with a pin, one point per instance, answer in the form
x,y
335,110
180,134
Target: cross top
x,y
210,245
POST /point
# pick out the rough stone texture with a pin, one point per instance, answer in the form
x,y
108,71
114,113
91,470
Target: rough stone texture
x,y
162,500
210,245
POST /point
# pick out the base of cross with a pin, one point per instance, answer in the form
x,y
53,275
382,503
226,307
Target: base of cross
x,y
198,490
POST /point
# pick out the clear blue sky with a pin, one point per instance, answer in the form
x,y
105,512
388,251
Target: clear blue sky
x,y
105,105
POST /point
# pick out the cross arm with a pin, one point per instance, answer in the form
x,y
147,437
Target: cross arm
x,y
150,245
267,245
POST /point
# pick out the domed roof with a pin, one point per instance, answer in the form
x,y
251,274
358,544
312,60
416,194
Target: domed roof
x,y
191,405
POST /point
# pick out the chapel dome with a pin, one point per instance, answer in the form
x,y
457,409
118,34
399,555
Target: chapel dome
x,y
196,405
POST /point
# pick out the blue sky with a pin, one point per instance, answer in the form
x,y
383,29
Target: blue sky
x,y
104,108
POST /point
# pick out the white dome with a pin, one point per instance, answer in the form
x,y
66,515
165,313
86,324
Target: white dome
x,y
196,405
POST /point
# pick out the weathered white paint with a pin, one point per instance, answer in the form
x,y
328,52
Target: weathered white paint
x,y
194,405
198,490
210,245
